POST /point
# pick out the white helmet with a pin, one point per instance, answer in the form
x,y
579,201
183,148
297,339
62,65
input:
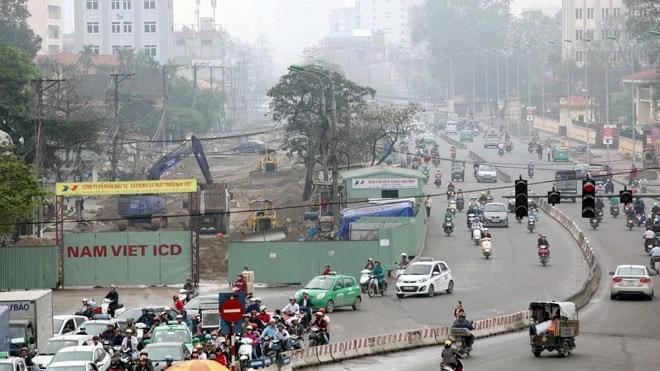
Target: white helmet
x,y
404,254
485,229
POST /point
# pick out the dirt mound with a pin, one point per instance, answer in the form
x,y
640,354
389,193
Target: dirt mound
x,y
34,241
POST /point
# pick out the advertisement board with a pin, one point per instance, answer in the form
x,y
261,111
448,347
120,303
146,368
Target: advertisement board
x,y
394,183
125,188
126,258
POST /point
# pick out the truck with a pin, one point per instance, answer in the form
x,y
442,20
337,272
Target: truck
x,y
4,330
30,319
152,209
566,183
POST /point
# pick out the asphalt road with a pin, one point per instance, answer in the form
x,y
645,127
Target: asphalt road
x,y
615,335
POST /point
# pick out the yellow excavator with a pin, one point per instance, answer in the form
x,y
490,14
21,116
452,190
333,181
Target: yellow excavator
x,y
262,222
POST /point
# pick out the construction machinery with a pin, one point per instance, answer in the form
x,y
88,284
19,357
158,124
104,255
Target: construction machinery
x,y
261,216
269,163
268,171
152,209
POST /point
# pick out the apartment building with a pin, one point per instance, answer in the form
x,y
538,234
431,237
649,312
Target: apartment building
x,y
109,25
46,21
392,17
592,20
343,19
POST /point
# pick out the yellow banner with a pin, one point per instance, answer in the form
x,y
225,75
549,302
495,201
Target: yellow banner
x,y
126,188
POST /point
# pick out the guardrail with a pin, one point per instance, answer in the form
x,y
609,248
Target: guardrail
x,y
452,141
500,174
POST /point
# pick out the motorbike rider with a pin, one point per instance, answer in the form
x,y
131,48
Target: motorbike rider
x,y
483,198
25,355
614,201
404,261
189,287
489,196
639,206
451,357
655,209
609,186
145,318
117,364
655,253
600,205
448,214
82,330
463,323
117,338
168,361
322,324
305,304
292,308
327,270
450,188
379,273
252,306
240,285
178,304
531,212
283,336
109,333
649,237
269,332
543,241
251,334
88,312
370,264
530,167
485,233
130,342
113,296
500,148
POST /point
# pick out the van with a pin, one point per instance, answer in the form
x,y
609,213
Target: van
x,y
451,127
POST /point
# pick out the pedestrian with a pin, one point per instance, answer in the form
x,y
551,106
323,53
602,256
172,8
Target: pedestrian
x,y
549,151
458,309
427,203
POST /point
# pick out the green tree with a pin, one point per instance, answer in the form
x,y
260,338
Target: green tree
x,y
17,98
296,103
85,58
20,192
14,28
643,17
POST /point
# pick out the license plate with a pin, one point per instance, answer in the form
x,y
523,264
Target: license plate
x,y
630,283
409,288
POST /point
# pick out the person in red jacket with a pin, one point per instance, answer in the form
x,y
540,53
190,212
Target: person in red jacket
x,y
240,285
327,270
178,304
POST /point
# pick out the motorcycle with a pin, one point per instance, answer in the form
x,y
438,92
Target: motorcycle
x,y
639,219
374,288
531,223
296,342
470,220
486,248
400,269
426,176
128,357
476,235
630,223
460,204
543,254
274,346
245,352
530,173
508,149
452,207
593,222
445,367
315,337
655,263
438,182
106,303
364,280
600,215
448,226
530,148
614,211
648,244
500,152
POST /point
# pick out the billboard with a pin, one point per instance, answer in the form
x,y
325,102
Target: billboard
x,y
126,188
126,258
393,183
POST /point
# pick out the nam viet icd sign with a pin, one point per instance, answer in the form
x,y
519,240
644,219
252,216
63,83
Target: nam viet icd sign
x,y
126,258
126,188
384,183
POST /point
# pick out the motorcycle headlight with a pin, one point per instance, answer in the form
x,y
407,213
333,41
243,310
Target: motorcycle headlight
x,y
320,296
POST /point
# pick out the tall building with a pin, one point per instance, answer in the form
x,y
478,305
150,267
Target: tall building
x,y
109,25
591,20
548,7
388,16
343,19
46,21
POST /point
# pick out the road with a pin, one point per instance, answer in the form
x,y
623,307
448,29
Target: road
x,y
615,335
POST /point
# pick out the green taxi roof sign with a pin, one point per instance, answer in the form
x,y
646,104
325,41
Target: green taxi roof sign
x,y
4,354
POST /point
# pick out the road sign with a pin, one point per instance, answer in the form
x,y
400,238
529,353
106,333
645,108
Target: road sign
x,y
530,118
608,140
608,134
231,310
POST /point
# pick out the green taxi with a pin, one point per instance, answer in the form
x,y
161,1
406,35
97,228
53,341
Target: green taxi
x,y
467,136
332,291
171,334
560,154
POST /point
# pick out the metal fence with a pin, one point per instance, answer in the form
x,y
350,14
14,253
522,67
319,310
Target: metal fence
x,y
28,267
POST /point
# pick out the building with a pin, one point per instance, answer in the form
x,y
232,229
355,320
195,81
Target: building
x,y
343,19
46,21
592,20
192,45
391,17
646,107
382,181
548,7
110,25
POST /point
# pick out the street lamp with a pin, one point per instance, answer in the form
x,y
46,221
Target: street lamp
x,y
506,87
529,78
451,74
473,84
333,128
542,83
518,85
487,94
568,93
497,77
587,95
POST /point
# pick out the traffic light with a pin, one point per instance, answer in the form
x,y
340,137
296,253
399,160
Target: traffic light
x,y
554,197
588,198
521,198
625,196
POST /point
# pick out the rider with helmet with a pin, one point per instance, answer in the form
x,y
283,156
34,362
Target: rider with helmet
x,y
404,261
543,241
379,273
178,304
463,323
483,197
485,233
370,264
451,357
449,214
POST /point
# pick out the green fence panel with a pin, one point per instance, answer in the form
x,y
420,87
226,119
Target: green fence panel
x,y
28,267
134,258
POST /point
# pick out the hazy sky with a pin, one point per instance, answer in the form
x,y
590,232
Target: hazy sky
x,y
236,16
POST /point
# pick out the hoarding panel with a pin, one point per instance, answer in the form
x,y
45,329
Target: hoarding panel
x,y
40,273
126,188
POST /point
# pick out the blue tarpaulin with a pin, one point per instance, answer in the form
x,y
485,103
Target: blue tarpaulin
x,y
396,208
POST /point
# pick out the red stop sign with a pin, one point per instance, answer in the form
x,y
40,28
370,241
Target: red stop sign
x,y
231,310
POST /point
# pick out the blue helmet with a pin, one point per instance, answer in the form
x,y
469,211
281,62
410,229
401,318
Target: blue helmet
x,y
169,358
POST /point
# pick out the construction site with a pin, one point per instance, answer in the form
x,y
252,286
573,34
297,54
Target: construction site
x,y
247,197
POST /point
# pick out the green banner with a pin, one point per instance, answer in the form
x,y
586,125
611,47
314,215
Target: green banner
x,y
126,258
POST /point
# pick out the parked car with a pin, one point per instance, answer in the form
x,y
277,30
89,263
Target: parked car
x,y
495,215
68,323
94,354
43,358
426,277
332,291
158,351
12,364
486,173
73,366
631,280
251,146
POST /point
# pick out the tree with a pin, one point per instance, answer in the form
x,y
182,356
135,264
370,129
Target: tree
x,y
14,28
296,102
643,17
20,192
450,28
16,97
382,127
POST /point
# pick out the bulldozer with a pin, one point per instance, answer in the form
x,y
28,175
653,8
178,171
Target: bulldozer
x,y
269,163
262,222
268,172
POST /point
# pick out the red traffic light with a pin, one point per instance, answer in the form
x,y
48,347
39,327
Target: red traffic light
x,y
588,187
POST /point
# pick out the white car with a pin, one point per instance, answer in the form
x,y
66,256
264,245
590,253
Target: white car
x,y
495,214
68,323
631,280
73,366
425,276
451,128
53,345
486,173
94,354
12,364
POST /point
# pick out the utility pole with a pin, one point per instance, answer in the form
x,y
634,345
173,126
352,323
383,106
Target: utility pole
x,y
195,67
160,131
117,78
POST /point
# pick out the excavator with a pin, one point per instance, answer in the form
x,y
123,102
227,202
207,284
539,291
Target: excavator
x,y
152,209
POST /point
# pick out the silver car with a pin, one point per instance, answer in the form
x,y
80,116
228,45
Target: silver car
x,y
486,173
48,350
495,215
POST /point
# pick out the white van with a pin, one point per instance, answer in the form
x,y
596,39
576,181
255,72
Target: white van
x,y
451,128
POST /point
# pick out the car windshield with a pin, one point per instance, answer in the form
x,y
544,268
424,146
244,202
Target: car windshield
x,y
492,136
66,368
417,269
495,207
159,353
135,313
560,150
631,271
57,325
95,328
16,332
486,168
78,355
172,336
52,346
319,283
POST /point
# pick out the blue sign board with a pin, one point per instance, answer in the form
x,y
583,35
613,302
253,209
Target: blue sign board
x,y
225,327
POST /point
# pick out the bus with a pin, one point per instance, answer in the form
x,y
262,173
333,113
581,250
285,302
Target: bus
x,y
566,183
